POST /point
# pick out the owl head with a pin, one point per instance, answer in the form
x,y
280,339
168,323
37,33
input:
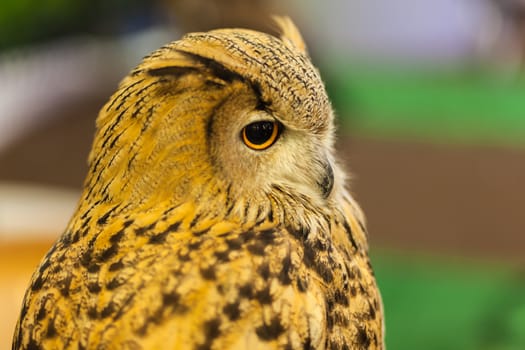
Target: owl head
x,y
229,110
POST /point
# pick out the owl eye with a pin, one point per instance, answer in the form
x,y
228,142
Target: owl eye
x,y
260,135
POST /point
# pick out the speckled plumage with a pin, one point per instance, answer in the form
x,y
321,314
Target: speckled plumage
x,y
184,238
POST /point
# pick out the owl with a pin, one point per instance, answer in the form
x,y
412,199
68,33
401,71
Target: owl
x,y
214,214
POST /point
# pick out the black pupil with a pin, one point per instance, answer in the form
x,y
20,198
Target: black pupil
x,y
259,132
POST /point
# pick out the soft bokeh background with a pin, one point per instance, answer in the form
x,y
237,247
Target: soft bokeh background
x,y
431,101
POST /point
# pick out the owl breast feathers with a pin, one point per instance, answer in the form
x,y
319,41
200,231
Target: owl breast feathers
x,y
214,214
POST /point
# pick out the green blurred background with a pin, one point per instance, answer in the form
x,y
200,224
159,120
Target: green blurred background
x,y
431,104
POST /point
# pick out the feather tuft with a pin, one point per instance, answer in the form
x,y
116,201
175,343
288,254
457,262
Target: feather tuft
x,y
290,34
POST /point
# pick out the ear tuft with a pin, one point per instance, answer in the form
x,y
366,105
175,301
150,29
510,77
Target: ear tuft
x,y
290,34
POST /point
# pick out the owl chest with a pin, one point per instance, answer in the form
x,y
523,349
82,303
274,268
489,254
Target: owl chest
x,y
261,287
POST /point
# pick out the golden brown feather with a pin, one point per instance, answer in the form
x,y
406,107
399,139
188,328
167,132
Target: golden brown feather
x,y
185,238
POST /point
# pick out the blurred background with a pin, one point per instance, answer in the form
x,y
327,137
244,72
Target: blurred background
x,y
430,97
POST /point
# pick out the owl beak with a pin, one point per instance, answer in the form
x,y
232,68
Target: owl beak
x,y
326,183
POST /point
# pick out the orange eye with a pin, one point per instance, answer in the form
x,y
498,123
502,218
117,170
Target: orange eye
x,y
260,135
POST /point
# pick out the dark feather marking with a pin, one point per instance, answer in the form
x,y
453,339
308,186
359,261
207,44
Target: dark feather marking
x,y
324,271
310,254
257,248
222,256
361,225
260,220
371,311
246,291
161,237
195,244
93,267
340,318
116,266
109,130
158,238
137,93
51,331
140,231
327,183
221,72
284,274
149,115
103,219
271,331
302,284
195,220
126,303
37,283
208,273
114,283
170,299
117,237
23,312
262,105
229,208
264,296
267,236
137,108
300,233
92,312
32,345
113,142
86,213
94,287
350,234
214,84
248,235
228,192
122,93
329,316
169,210
94,167
264,271
183,257
234,243
215,67
308,344
42,311
362,338
211,332
340,297
130,161
43,267
105,189
201,232
65,285
246,210
70,237
172,71
270,215
108,310
108,253
232,310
